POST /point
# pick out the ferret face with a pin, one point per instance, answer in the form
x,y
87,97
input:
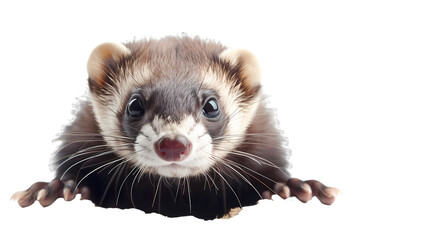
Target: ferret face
x,y
173,124
166,105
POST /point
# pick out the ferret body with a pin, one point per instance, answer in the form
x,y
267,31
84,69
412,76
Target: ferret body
x,y
176,126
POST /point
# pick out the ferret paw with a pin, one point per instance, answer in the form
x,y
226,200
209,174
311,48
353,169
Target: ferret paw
x,y
47,193
304,191
232,213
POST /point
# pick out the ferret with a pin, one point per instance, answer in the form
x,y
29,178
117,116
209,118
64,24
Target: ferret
x,y
178,126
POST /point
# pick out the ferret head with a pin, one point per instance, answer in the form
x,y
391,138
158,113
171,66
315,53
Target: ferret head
x,y
165,105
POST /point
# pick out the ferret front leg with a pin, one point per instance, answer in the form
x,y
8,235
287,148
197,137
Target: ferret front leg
x,y
304,191
47,193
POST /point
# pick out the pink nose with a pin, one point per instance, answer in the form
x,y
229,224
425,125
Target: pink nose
x,y
173,149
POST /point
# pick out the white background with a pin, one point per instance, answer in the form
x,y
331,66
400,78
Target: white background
x,y
349,79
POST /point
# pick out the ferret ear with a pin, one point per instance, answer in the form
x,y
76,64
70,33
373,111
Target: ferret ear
x,y
247,64
100,57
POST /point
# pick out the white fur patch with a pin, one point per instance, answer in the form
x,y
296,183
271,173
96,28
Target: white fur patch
x,y
240,116
197,162
105,109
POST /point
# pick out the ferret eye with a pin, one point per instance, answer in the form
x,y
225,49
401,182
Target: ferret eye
x,y
211,109
135,108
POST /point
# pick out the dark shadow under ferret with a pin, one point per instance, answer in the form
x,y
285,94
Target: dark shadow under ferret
x,y
176,126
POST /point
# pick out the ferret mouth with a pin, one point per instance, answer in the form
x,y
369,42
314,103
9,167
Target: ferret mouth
x,y
175,170
174,166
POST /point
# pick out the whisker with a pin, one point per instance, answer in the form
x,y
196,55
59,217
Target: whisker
x,y
132,185
255,143
124,157
167,183
177,190
78,153
85,152
86,165
106,165
142,173
212,180
247,168
184,186
241,166
235,153
83,141
109,163
206,182
123,182
264,135
119,168
115,174
130,154
250,156
86,159
244,178
156,191
189,195
236,196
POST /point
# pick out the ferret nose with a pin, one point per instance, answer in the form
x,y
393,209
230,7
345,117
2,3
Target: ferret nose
x,y
173,150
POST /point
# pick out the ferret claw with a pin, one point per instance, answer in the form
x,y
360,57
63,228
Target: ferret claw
x,y
69,192
306,190
47,193
325,194
267,195
282,190
28,197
